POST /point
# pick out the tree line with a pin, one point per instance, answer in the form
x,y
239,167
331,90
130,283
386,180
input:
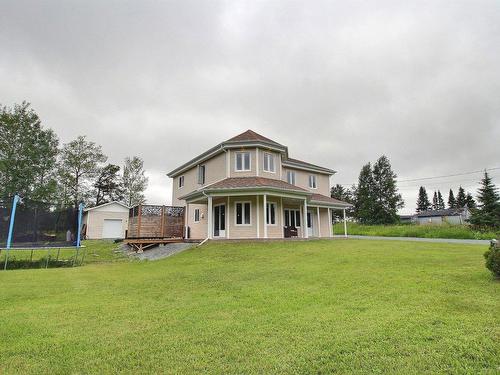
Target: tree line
x,y
34,165
461,201
376,200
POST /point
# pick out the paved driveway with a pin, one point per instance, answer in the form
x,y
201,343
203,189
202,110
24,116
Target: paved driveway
x,y
417,239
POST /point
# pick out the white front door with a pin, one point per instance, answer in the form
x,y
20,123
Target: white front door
x,y
112,228
220,220
310,229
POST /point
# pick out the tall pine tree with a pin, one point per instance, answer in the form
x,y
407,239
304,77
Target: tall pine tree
x,y
423,203
452,203
487,213
461,198
471,203
364,198
435,205
387,200
440,201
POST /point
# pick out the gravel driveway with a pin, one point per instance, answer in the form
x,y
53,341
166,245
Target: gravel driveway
x,y
159,252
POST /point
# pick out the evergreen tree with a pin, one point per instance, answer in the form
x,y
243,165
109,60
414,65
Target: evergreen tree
x,y
79,164
452,203
344,194
364,198
386,200
28,154
441,205
435,205
108,187
470,202
461,198
487,213
423,203
135,181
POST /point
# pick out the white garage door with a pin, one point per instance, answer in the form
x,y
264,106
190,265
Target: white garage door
x,y
112,228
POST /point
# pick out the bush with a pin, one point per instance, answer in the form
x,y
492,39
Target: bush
x,y
492,257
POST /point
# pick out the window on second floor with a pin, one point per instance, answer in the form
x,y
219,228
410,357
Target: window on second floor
x,y
181,181
290,177
313,184
201,174
269,165
242,161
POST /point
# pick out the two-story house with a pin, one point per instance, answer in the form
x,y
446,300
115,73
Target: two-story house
x,y
248,187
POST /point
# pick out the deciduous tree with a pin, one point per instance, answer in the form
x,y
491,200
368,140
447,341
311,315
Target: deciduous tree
x,y
135,181
108,185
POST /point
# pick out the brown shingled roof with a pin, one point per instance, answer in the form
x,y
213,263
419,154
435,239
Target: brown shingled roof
x,y
253,182
250,135
325,199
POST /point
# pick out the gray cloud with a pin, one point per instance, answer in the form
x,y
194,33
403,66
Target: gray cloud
x,y
340,83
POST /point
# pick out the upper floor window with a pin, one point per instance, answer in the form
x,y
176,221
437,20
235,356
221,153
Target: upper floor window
x,y
242,161
312,182
201,174
269,165
242,213
290,177
181,181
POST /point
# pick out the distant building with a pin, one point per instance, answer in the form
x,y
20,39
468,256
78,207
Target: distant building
x,y
406,219
447,216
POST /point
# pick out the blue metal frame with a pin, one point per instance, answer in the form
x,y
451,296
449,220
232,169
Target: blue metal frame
x,y
79,231
11,228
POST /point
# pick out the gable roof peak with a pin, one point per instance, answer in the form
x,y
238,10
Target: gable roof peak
x,y
250,135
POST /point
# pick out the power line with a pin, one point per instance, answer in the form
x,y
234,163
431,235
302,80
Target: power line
x,y
436,177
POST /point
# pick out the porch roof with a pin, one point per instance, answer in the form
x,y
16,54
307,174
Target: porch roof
x,y
261,184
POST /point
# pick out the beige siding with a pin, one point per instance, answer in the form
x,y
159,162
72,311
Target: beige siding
x,y
302,180
215,170
232,156
277,165
197,230
94,220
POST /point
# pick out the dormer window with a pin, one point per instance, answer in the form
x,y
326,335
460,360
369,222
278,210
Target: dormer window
x,y
243,161
312,182
269,165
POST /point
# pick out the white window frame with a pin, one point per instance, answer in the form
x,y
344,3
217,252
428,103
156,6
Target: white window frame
x,y
270,160
293,211
181,182
204,174
313,181
268,216
242,213
196,210
242,153
293,180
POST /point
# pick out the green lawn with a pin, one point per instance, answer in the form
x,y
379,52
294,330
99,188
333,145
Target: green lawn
x,y
352,306
414,230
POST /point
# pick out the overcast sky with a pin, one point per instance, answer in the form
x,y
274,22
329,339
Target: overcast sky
x,y
339,83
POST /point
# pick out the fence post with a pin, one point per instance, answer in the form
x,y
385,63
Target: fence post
x,y
11,229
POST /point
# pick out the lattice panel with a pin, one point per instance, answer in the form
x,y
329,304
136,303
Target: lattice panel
x,y
151,210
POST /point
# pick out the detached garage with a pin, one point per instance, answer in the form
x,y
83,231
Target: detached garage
x,y
109,220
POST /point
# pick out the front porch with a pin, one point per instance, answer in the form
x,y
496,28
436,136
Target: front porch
x,y
261,215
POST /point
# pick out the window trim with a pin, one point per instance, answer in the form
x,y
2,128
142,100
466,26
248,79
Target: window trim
x,y
242,161
269,216
194,215
204,174
313,177
179,185
291,173
242,213
271,157
295,211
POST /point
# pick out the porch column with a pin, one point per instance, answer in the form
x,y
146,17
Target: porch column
x,y
258,216
282,209
330,223
319,222
186,219
228,218
345,224
265,215
304,220
209,218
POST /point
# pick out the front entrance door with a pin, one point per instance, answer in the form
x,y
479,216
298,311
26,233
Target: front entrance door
x,y
220,220
310,230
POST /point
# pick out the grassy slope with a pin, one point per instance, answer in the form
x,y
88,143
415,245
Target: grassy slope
x,y
412,230
302,307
